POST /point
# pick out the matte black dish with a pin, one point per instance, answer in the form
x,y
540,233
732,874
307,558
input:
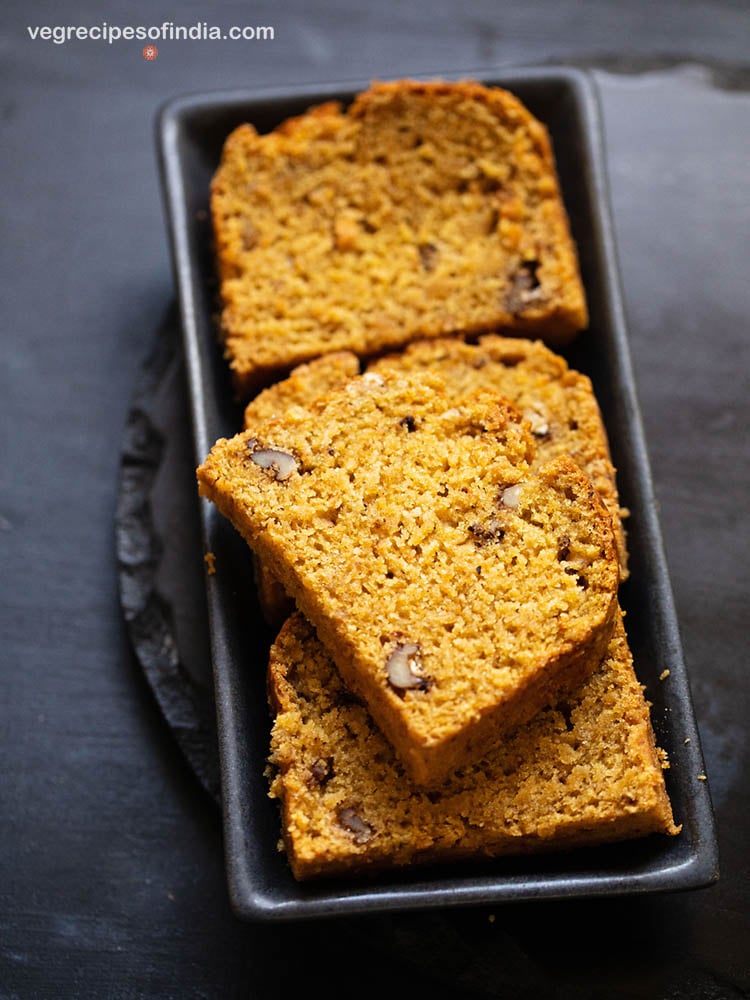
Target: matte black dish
x,y
191,132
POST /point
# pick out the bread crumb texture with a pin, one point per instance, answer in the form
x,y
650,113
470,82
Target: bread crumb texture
x,y
457,588
558,402
423,209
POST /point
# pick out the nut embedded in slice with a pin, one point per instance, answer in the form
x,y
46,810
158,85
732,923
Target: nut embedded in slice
x,y
404,667
280,464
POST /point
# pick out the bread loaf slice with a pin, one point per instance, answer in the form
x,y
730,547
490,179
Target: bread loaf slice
x,y
425,208
582,772
558,401
456,590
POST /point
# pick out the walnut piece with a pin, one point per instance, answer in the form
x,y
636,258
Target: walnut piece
x,y
351,820
321,771
490,532
279,464
511,496
428,256
538,421
404,667
525,286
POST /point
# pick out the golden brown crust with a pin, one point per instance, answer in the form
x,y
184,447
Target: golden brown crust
x,y
424,209
583,772
303,385
396,521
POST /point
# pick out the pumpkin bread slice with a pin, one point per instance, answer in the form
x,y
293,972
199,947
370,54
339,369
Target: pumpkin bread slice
x,y
583,772
423,209
558,401
457,591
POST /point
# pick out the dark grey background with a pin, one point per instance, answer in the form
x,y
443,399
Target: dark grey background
x,y
111,867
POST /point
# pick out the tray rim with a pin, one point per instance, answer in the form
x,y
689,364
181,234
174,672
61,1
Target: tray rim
x,y
701,868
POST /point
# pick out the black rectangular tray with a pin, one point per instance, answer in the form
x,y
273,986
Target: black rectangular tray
x,y
190,134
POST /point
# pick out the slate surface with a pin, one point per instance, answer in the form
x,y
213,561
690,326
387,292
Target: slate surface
x,y
111,867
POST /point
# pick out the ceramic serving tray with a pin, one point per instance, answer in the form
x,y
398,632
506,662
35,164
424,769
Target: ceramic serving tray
x,y
190,134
